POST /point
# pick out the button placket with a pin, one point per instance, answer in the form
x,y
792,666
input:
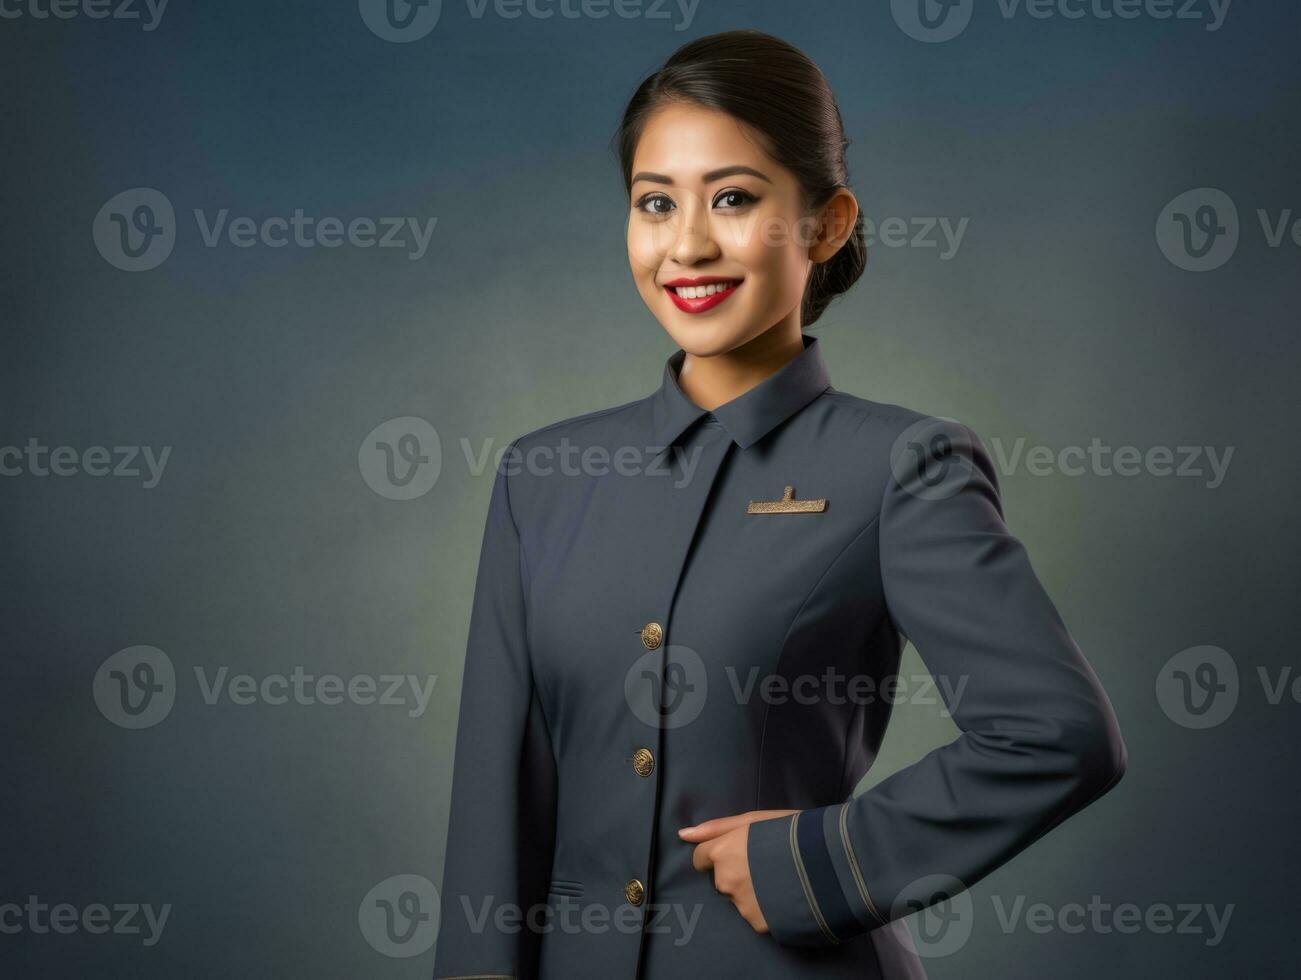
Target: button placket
x,y
678,520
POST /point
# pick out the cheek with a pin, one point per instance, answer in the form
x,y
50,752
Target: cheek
x,y
775,259
645,254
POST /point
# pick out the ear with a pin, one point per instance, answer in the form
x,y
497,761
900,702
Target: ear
x,y
835,225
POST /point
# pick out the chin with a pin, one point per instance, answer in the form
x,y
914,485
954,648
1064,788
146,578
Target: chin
x,y
704,334
704,339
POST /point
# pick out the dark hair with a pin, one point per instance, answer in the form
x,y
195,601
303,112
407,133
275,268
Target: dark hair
x,y
772,86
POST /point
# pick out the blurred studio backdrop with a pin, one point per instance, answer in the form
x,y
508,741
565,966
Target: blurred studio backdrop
x,y
247,453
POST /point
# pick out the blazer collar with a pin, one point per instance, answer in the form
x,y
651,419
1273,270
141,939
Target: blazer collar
x,y
749,416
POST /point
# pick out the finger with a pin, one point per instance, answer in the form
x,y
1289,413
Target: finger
x,y
702,856
750,912
726,880
713,828
722,825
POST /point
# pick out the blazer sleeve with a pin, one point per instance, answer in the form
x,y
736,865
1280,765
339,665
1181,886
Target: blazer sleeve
x,y
1039,739
501,826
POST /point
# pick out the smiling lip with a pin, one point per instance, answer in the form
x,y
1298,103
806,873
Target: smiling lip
x,y
703,303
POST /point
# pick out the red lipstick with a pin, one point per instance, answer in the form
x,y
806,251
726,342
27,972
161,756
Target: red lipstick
x,y
705,302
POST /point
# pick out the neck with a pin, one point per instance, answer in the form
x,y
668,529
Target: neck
x,y
712,381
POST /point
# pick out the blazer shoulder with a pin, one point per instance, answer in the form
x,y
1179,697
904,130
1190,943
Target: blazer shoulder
x,y
551,449
879,419
582,428
887,437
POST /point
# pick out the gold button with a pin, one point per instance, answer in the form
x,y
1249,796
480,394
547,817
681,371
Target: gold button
x,y
643,762
634,892
652,635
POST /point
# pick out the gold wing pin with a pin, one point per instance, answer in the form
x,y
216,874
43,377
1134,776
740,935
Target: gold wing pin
x,y
787,505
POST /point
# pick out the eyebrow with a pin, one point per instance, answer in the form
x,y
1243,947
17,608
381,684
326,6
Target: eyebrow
x,y
709,178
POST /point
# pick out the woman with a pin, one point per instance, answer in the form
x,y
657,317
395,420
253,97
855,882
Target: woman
x,y
676,638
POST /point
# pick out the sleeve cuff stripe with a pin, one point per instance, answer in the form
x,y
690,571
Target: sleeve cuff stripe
x,y
804,882
823,881
853,864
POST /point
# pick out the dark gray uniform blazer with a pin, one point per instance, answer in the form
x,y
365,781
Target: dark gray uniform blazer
x,y
650,647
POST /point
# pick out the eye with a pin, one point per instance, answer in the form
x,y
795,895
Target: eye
x,y
650,204
734,199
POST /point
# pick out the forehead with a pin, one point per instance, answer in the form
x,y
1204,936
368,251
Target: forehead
x,y
682,141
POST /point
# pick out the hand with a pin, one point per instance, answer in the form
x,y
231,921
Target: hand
x,y
721,845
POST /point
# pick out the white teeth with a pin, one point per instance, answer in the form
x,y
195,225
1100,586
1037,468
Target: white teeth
x,y
700,292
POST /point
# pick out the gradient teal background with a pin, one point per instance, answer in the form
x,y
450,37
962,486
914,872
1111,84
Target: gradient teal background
x,y
263,548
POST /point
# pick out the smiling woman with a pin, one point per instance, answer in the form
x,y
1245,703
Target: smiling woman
x,y
740,203
621,808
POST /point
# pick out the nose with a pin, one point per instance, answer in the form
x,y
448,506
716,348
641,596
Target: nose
x,y
693,241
